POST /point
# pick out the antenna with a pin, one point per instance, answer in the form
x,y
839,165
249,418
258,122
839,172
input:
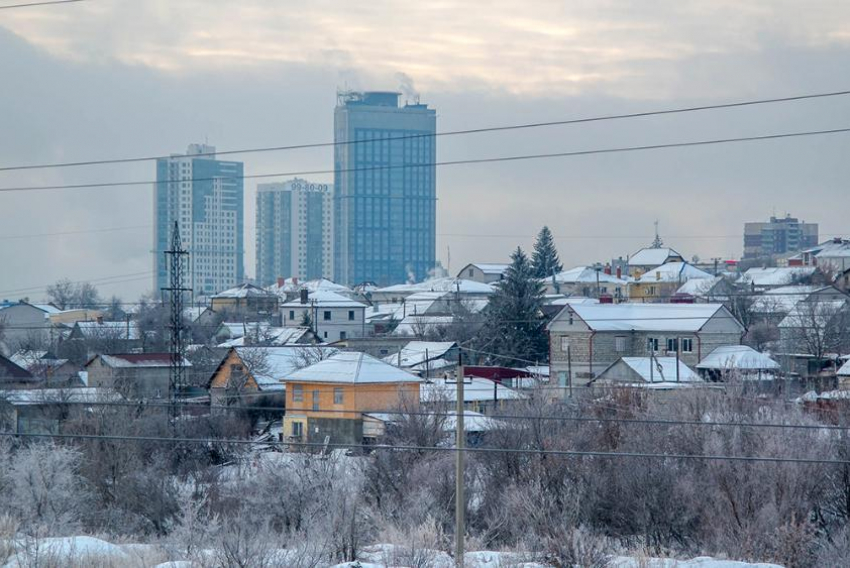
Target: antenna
x,y
174,258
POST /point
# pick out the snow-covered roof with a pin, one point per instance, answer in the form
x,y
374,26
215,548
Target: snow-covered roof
x,y
47,308
274,364
652,256
813,313
352,368
244,291
319,285
69,395
844,370
775,276
783,299
109,329
267,335
572,300
416,352
698,286
491,267
475,389
646,317
739,357
380,312
446,284
138,360
586,274
193,313
472,421
673,272
660,369
416,325
325,299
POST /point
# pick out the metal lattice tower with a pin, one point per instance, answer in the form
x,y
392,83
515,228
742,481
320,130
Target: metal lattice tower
x,y
175,257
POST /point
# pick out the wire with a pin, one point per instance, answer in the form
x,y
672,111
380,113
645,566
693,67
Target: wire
x,y
64,233
44,3
369,447
102,281
515,158
445,133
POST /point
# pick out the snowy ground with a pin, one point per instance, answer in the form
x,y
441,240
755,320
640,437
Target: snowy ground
x,y
84,551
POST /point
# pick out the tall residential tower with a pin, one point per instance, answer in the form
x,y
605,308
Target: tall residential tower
x,y
385,189
294,230
779,236
205,197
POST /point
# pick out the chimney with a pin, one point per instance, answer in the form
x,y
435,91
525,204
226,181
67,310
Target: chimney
x,y
619,271
99,320
295,281
606,299
658,275
280,282
304,293
608,269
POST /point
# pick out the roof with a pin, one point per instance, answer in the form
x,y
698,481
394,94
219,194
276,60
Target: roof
x,y
325,299
474,389
739,357
472,421
783,299
652,256
417,325
416,352
136,360
490,267
352,368
280,362
587,274
819,313
646,317
446,284
673,272
10,369
699,286
659,369
775,276
844,371
319,285
245,291
269,336
41,396
110,329
572,300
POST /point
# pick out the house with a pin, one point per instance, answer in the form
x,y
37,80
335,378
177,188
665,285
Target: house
x,y
425,358
107,336
776,303
587,282
716,289
134,375
761,279
332,316
459,287
479,395
817,327
13,375
484,272
737,361
46,366
648,258
660,284
843,374
327,400
259,372
24,325
585,339
261,333
647,370
288,289
832,255
42,411
249,301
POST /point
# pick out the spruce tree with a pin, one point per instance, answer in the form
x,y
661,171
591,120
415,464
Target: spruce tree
x,y
544,259
513,334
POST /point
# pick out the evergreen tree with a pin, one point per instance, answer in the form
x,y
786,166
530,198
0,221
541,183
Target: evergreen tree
x,y
544,259
513,332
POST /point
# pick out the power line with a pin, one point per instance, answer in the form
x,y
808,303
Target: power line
x,y
44,3
516,158
81,232
439,134
101,281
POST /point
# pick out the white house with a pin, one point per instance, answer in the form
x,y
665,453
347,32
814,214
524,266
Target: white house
x,y
333,317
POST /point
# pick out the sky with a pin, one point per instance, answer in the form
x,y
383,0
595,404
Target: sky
x,y
104,79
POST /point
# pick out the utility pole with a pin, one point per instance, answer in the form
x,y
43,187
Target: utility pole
x,y
177,370
678,340
570,368
460,438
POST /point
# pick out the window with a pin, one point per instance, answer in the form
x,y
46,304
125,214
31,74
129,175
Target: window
x,y
565,343
297,393
652,344
469,273
650,291
687,345
315,400
672,344
619,344
235,368
325,335
292,315
297,429
341,335
326,315
337,395
350,315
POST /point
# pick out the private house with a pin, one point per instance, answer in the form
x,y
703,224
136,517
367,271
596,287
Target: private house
x,y
13,375
585,339
737,362
25,325
660,372
288,289
425,358
133,375
484,272
832,255
479,395
257,373
42,411
460,287
45,366
327,400
660,284
423,314
588,282
817,328
712,290
776,303
332,316
248,301
262,334
648,258
107,336
761,279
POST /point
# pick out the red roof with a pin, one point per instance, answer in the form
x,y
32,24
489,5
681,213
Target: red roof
x,y
497,374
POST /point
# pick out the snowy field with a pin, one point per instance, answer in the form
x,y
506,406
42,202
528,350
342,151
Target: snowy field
x,y
84,551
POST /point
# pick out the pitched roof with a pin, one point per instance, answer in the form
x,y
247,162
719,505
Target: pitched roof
x,y
277,363
325,299
245,291
52,395
673,272
646,317
587,274
775,276
699,286
109,329
267,335
136,360
416,352
10,369
659,369
491,267
818,313
740,357
352,368
447,284
474,389
652,256
844,371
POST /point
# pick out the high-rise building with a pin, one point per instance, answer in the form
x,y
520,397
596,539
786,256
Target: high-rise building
x,y
780,235
294,230
205,196
385,189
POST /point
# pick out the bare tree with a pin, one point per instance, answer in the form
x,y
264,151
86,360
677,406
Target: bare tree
x,y
62,294
817,327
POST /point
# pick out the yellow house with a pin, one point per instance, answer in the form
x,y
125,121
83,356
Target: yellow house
x,y
245,373
326,401
660,283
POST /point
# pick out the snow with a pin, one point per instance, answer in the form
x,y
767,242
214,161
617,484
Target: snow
x,y
70,395
474,389
280,362
421,325
652,256
698,286
416,352
572,300
291,286
844,371
646,317
324,299
109,329
64,550
673,272
447,284
737,357
135,360
699,562
817,313
775,276
267,335
649,371
783,299
581,274
352,367
491,268
244,291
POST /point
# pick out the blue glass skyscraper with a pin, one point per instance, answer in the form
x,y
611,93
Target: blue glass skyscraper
x,y
385,189
205,197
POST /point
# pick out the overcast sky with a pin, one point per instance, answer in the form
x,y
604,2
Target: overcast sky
x,y
120,78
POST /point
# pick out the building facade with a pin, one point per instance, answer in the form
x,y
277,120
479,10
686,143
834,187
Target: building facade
x,y
777,237
294,231
385,189
205,197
